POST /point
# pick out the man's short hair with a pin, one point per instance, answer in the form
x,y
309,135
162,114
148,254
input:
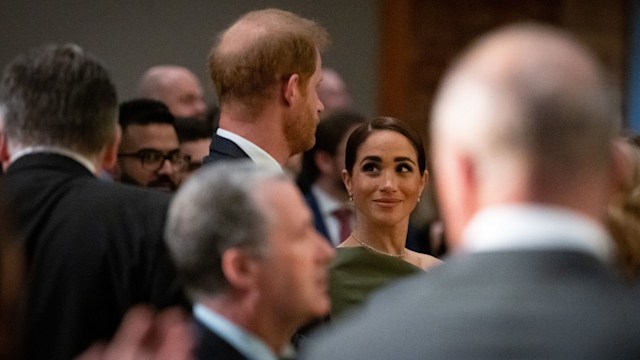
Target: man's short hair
x,y
190,129
144,112
58,95
215,210
261,49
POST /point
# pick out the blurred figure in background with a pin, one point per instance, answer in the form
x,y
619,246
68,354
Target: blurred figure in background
x,y
149,153
175,86
623,218
321,177
333,92
194,137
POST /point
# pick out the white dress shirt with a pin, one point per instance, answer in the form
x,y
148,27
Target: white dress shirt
x,y
327,205
535,227
256,154
246,343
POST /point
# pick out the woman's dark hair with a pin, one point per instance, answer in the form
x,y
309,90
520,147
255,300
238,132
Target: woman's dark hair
x,y
362,133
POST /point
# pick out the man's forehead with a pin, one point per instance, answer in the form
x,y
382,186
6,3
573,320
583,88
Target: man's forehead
x,y
159,136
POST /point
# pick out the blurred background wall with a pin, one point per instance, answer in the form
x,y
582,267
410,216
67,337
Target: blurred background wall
x,y
391,53
131,35
419,39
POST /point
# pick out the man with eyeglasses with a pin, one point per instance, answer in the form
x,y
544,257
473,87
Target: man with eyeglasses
x,y
149,153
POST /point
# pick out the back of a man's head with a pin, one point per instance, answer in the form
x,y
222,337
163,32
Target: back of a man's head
x,y
261,49
526,115
58,95
529,98
177,87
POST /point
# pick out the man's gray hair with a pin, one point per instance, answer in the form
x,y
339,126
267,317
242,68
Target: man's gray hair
x,y
58,95
216,210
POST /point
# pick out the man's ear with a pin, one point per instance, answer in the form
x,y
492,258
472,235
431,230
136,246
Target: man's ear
x,y
239,268
290,90
109,155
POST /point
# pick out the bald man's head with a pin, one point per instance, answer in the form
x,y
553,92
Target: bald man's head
x,y
261,49
531,91
525,115
175,86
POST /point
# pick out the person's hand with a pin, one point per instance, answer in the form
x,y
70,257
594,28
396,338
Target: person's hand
x,y
143,334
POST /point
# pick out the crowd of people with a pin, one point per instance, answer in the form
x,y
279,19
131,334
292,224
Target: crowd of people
x,y
278,223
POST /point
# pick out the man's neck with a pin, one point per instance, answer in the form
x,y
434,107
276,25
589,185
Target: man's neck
x,y
264,130
247,315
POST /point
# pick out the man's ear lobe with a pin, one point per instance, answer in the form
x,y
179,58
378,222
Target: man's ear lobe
x,y
290,89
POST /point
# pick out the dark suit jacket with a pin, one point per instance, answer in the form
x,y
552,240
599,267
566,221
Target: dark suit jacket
x,y
498,305
223,149
94,249
211,346
318,219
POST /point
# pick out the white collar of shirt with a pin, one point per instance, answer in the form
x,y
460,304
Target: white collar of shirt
x,y
327,204
84,161
533,227
257,155
247,344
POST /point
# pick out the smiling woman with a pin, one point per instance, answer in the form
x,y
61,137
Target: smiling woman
x,y
385,175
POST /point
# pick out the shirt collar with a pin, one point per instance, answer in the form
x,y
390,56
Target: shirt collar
x,y
257,155
84,161
532,227
246,343
326,203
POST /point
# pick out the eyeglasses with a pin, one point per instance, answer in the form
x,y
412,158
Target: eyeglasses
x,y
152,159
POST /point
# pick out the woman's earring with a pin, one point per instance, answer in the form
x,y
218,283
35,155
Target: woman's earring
x,y
350,197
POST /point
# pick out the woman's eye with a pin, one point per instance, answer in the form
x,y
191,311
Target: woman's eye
x,y
404,168
369,167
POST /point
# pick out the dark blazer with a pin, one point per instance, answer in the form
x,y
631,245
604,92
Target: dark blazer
x,y
318,219
94,248
211,346
223,149
496,305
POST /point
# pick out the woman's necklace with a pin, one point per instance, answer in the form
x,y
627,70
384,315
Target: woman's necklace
x,y
369,247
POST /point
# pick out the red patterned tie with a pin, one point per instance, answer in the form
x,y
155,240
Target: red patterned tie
x,y
344,219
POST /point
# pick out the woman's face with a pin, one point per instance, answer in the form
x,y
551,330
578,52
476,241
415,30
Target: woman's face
x,y
386,181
